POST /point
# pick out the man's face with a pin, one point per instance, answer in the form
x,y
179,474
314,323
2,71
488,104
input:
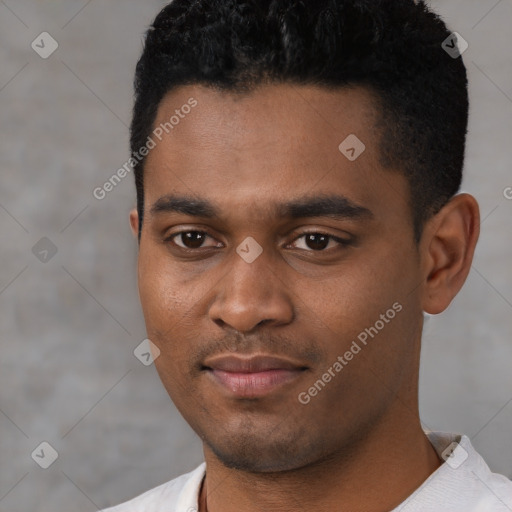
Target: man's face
x,y
321,282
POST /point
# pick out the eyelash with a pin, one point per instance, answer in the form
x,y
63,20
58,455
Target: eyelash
x,y
340,241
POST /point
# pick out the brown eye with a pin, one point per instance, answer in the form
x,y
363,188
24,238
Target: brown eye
x,y
189,239
317,242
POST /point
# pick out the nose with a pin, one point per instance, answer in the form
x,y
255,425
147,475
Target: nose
x,y
251,294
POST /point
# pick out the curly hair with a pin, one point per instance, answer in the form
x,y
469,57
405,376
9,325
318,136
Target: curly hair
x,y
391,47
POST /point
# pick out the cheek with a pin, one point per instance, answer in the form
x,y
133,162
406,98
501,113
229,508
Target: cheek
x,y
167,308
160,290
172,304
371,300
154,296
355,297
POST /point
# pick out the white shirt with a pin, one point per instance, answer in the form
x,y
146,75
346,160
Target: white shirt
x,y
463,483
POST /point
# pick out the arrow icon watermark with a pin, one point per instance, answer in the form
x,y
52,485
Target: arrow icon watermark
x,y
146,352
454,45
44,45
352,147
44,250
249,249
45,455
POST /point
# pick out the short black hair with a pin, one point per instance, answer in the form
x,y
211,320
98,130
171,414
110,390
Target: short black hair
x,y
391,47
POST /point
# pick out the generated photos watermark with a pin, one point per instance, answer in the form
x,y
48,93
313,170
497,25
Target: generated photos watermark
x,y
137,156
355,348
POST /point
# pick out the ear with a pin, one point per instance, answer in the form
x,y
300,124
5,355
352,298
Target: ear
x,y
134,222
447,248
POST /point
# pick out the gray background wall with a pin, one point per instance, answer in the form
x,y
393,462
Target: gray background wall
x,y
68,326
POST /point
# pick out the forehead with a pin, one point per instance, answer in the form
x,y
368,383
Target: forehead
x,y
294,111
276,142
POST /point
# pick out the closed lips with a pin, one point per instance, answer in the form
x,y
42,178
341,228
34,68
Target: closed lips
x,y
254,364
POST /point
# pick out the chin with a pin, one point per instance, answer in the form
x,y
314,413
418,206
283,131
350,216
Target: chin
x,y
254,461
266,453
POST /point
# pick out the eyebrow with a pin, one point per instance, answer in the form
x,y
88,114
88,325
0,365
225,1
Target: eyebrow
x,y
331,206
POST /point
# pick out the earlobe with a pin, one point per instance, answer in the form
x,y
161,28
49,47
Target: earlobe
x,y
134,222
451,237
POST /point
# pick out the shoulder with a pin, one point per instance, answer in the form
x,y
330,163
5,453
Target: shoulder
x,y
491,488
176,495
464,482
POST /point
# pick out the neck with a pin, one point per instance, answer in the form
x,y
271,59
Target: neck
x,y
378,473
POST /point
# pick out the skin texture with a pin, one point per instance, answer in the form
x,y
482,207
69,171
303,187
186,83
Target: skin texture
x,y
358,445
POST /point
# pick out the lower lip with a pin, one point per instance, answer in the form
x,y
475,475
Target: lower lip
x,y
252,385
